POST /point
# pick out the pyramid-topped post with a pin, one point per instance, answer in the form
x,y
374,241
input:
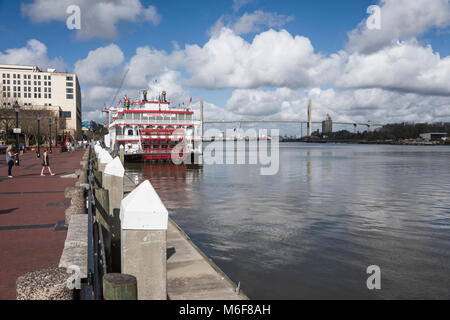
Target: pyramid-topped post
x,y
103,159
113,182
144,220
97,149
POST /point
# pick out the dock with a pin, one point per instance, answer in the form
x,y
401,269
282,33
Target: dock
x,y
191,274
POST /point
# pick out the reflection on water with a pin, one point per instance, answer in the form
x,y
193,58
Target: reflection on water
x,y
312,230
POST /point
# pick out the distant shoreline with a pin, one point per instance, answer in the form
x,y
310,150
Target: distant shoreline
x,y
396,143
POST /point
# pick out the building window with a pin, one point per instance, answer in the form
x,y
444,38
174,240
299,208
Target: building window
x,y
69,96
14,76
4,75
45,77
39,95
66,114
7,75
18,76
69,78
18,95
69,90
39,83
39,77
49,77
45,95
34,77
69,84
49,96
49,83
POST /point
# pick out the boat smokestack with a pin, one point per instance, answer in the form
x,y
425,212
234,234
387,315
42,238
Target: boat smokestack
x,y
145,95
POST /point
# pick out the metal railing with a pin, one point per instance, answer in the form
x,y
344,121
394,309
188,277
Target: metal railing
x,y
96,267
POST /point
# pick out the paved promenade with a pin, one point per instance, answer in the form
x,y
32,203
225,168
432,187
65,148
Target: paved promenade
x,y
31,207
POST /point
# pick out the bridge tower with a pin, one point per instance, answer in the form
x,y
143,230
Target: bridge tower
x,y
309,118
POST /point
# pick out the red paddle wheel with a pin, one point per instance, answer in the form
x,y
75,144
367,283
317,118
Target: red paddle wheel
x,y
163,144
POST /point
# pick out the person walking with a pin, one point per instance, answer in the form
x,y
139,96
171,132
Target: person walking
x,y
10,155
46,163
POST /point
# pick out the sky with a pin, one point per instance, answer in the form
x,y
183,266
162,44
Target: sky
x,y
248,59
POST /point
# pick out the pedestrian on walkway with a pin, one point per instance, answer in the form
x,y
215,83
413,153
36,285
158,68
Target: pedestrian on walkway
x,y
10,155
46,163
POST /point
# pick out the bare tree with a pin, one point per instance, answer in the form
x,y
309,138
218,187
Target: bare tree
x,y
28,119
7,116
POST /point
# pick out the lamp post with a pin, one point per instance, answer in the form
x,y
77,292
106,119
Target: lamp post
x,y
56,132
39,135
16,109
50,133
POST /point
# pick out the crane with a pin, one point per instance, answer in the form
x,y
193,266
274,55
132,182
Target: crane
x,y
108,110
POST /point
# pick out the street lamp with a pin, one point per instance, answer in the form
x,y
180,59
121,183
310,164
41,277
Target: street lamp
x,y
39,135
16,109
50,133
56,132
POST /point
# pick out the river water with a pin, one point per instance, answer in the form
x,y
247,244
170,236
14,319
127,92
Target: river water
x,y
311,231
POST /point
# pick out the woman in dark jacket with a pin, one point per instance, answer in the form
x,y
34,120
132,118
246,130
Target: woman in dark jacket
x,y
46,163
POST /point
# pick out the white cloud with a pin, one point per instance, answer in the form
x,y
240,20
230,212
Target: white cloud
x,y
238,4
274,58
360,105
406,67
98,68
251,22
99,18
147,64
400,20
35,54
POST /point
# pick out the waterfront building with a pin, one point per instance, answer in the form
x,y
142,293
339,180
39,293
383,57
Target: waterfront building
x,y
49,89
327,125
433,136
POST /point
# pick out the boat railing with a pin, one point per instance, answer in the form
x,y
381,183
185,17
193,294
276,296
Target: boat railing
x,y
148,122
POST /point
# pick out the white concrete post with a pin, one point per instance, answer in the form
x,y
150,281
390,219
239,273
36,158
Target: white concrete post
x,y
113,182
122,153
97,149
104,158
144,220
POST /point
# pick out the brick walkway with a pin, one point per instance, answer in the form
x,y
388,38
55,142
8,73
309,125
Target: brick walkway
x,y
30,207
